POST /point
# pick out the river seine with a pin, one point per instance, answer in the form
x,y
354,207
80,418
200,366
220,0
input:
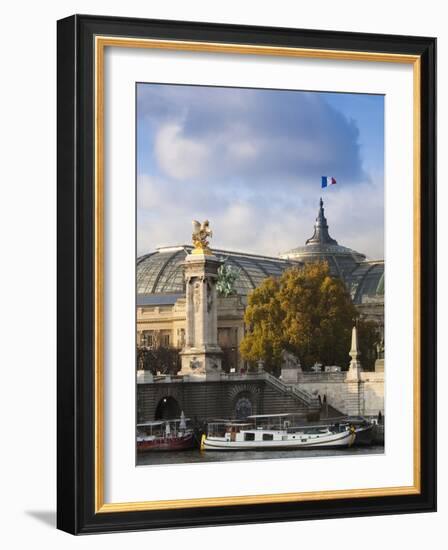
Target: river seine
x,y
197,456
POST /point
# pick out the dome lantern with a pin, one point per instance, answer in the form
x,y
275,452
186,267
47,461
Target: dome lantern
x,y
321,234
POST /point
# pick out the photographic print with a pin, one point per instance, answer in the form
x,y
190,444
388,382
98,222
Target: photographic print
x,y
259,274
225,213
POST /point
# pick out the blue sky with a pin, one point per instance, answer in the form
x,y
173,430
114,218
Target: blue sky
x,y
251,162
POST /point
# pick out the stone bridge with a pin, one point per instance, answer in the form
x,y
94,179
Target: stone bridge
x,y
230,396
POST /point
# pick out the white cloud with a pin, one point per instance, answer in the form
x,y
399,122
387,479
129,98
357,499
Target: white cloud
x,y
201,131
180,157
242,150
251,164
270,223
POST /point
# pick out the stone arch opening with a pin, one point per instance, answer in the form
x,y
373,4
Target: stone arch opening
x,y
167,408
243,405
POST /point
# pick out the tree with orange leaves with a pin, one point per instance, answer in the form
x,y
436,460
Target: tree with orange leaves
x,y
307,312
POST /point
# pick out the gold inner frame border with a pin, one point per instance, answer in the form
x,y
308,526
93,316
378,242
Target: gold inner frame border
x,y
101,42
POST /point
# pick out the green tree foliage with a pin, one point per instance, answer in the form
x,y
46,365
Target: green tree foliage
x,y
264,317
305,311
368,338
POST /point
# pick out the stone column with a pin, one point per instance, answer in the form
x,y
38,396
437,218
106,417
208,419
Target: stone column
x,y
201,354
355,368
353,382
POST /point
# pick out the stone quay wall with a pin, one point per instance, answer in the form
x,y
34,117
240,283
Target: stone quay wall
x,y
364,396
217,399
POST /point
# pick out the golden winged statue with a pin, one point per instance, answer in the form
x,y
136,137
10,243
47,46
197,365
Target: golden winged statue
x,y
201,232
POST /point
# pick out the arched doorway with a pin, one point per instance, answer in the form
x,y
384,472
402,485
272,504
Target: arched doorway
x,y
167,407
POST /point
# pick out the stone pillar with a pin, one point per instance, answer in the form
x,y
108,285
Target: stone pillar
x,y
353,383
355,368
201,354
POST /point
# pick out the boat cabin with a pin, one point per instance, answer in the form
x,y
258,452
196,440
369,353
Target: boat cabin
x,y
162,428
276,427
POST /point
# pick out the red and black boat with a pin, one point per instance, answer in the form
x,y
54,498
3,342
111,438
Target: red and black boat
x,y
165,435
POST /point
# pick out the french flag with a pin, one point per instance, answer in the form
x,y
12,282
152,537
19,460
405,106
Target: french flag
x,y
328,180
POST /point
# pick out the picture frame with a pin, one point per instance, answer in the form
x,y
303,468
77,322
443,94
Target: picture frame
x,y
82,42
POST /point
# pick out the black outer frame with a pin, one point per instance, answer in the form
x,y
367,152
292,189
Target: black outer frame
x,y
75,310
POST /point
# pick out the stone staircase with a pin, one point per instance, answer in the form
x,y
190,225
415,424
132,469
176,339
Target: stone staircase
x,y
304,400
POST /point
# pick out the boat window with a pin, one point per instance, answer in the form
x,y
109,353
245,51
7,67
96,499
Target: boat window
x,y
268,437
249,436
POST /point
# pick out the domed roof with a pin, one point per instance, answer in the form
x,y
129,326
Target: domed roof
x,y
321,247
366,282
161,272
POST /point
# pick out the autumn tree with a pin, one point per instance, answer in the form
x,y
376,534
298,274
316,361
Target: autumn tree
x,y
264,318
306,311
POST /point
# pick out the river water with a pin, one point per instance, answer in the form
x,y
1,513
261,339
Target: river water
x,y
197,456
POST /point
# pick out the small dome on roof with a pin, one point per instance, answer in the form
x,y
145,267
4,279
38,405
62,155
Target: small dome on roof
x,y
322,247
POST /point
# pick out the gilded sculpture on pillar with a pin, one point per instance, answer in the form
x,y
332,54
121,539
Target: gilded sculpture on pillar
x,y
201,233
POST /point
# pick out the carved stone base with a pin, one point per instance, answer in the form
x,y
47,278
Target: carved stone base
x,y
354,371
291,376
204,361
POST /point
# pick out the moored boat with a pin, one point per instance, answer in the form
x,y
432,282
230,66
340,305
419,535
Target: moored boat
x,y
364,435
274,433
165,435
368,430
